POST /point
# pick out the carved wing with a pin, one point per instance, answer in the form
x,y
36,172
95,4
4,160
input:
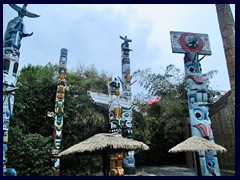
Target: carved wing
x,y
103,100
99,98
15,7
122,37
31,15
26,13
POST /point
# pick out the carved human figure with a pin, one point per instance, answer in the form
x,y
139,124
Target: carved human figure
x,y
114,87
127,124
128,160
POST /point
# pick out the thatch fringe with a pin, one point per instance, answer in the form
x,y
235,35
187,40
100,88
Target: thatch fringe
x,y
102,141
195,143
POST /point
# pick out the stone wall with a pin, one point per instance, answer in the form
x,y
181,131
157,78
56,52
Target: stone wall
x,y
222,115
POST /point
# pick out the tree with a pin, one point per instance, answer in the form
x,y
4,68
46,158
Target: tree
x,y
84,119
28,153
36,95
227,29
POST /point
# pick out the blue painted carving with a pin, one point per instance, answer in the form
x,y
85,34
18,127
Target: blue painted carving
x,y
11,45
198,111
15,30
197,90
192,45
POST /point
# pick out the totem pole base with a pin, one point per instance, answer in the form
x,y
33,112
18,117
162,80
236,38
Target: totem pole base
x,y
10,172
129,170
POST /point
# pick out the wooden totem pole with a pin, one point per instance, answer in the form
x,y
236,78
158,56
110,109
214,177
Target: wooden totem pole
x,y
193,45
128,160
120,113
115,125
11,45
58,114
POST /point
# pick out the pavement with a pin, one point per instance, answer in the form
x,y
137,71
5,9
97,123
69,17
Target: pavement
x,y
170,170
177,171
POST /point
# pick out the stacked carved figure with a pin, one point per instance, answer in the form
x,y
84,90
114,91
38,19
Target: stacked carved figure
x,y
120,112
10,67
193,45
11,45
59,111
115,119
128,159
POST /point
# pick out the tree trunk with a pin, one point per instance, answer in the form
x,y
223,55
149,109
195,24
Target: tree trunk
x,y
227,29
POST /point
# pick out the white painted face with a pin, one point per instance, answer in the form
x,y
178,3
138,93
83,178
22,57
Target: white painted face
x,y
127,116
130,153
63,60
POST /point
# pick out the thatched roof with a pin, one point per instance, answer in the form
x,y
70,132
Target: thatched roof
x,y
195,143
113,142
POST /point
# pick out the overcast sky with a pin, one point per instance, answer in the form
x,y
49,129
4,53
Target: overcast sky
x,y
91,35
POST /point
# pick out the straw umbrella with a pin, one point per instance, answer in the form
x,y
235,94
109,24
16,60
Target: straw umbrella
x,y
196,143
104,144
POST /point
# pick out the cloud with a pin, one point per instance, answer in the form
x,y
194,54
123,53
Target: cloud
x,y
91,34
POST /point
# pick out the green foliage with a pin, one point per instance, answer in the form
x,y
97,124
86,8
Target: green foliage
x,y
28,153
84,119
36,95
86,165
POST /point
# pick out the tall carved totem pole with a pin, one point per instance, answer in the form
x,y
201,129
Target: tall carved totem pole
x,y
128,160
193,45
120,113
58,114
11,45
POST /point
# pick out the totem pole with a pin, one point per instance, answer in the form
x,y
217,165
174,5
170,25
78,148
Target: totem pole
x,y
120,113
11,45
128,160
59,111
193,45
115,125
114,103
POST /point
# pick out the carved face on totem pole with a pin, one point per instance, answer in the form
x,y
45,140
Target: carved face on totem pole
x,y
200,121
58,122
128,160
197,90
114,87
193,68
115,110
114,117
127,124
